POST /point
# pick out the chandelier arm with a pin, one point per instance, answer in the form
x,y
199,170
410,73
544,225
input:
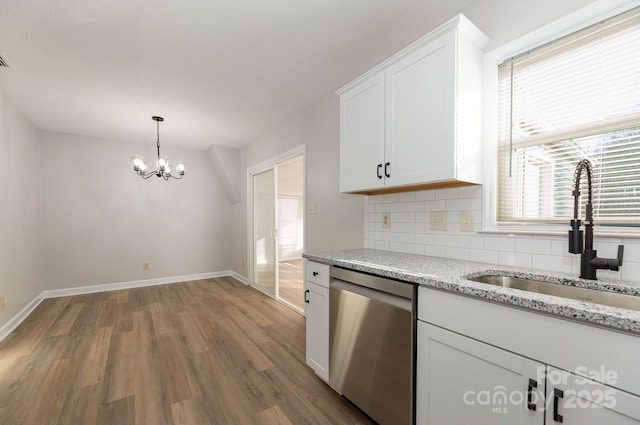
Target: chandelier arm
x,y
158,136
147,175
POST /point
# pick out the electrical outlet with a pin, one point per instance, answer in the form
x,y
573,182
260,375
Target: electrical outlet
x,y
1,302
145,266
386,220
312,207
466,221
438,220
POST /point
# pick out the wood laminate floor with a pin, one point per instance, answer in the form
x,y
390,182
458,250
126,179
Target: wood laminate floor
x,y
204,352
291,280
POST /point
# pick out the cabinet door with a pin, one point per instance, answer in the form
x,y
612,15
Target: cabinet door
x,y
574,400
317,314
420,109
461,381
362,136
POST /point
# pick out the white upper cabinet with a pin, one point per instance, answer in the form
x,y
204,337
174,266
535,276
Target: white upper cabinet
x,y
415,119
362,124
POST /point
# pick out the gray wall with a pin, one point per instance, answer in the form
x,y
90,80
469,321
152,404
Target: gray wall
x,y
21,255
102,221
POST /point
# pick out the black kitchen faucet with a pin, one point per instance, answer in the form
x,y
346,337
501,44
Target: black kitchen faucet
x,y
589,261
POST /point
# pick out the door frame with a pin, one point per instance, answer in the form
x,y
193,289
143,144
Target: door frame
x,y
260,168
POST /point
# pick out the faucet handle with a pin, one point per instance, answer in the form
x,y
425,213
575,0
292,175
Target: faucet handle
x,y
620,254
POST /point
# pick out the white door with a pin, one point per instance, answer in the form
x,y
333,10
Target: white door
x,y
264,231
461,381
362,136
420,96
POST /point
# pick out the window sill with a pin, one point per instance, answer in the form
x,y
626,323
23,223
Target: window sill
x,y
598,232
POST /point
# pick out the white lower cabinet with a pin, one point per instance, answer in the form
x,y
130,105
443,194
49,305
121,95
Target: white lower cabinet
x,y
317,314
462,381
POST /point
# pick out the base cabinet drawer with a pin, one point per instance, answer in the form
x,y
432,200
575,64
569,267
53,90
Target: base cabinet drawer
x,y
317,273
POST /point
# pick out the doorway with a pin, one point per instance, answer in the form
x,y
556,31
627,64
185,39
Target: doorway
x,y
277,229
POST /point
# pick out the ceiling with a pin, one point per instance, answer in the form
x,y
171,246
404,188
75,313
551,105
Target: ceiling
x,y
219,71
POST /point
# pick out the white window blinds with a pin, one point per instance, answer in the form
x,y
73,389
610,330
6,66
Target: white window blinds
x,y
574,98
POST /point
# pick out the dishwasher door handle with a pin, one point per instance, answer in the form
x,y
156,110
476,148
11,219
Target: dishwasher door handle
x,y
383,297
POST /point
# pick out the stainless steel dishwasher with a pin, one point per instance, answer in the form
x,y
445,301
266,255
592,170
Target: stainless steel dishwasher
x,y
372,344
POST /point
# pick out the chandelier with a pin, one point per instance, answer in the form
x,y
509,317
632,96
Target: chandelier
x,y
162,162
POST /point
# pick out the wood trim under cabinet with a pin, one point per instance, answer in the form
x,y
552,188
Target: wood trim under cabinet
x,y
412,188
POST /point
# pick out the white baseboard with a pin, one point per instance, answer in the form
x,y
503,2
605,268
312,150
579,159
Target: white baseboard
x,y
239,277
55,293
15,321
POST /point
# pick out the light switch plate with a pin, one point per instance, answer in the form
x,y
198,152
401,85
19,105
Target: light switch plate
x,y
313,207
466,221
438,220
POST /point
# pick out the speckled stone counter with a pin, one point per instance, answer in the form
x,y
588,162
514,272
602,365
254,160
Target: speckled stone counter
x,y
451,275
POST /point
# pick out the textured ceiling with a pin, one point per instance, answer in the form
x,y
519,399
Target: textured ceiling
x,y
219,71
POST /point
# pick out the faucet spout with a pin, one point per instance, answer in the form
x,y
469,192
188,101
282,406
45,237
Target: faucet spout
x,y
581,242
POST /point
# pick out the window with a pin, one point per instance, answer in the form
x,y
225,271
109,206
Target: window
x,y
575,98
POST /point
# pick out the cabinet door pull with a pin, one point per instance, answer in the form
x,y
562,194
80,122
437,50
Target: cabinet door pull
x,y
557,395
532,384
315,273
306,298
378,171
386,172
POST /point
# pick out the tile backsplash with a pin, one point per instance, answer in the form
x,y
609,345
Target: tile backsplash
x,y
414,216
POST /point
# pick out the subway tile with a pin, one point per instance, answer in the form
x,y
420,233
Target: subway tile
x,y
408,217
369,208
370,226
415,206
382,208
370,244
413,248
425,239
407,197
533,246
555,263
453,217
435,251
632,251
397,247
422,217
560,248
457,253
474,242
435,205
415,227
390,198
398,207
499,243
426,195
484,256
630,270
407,237
476,204
514,259
459,204
451,193
377,236
398,227
470,192
389,236
383,245
446,240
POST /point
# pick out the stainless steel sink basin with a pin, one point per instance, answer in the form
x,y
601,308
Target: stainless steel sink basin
x,y
608,298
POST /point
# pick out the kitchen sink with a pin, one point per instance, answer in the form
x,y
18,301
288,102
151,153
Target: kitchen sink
x,y
612,299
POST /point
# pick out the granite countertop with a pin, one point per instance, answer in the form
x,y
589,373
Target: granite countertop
x,y
450,275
